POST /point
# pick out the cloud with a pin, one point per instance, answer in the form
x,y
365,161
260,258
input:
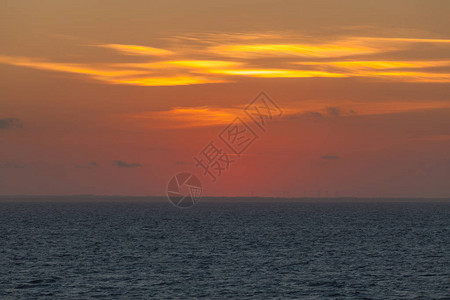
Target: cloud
x,y
315,114
286,50
90,165
10,123
331,157
277,73
181,117
165,81
226,57
122,164
12,166
138,50
407,40
435,138
204,116
391,70
334,111
316,109
301,115
138,74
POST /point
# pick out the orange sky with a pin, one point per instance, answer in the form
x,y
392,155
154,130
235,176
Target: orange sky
x,y
113,98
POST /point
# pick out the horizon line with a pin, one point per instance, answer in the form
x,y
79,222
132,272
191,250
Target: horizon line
x,y
230,197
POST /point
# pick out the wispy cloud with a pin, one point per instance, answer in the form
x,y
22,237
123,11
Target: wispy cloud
x,y
227,57
145,75
165,81
99,72
202,116
406,40
10,123
90,165
435,138
339,49
138,50
330,157
277,73
334,111
180,117
350,108
122,164
10,165
412,71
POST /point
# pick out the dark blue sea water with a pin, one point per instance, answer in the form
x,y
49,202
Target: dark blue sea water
x,y
225,250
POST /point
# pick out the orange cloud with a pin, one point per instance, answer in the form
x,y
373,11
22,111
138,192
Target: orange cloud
x,y
231,56
280,50
97,72
203,64
435,138
384,69
165,81
138,50
180,117
115,73
350,108
406,40
186,117
280,73
376,64
410,76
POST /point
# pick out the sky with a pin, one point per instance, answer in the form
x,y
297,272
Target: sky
x,y
115,97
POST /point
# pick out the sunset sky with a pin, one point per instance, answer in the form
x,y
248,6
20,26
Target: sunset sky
x,y
116,97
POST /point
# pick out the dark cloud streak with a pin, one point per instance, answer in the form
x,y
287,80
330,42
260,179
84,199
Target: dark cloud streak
x,y
330,157
122,164
10,123
92,164
12,166
334,111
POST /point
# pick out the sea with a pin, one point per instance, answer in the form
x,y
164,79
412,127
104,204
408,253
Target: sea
x,y
130,248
